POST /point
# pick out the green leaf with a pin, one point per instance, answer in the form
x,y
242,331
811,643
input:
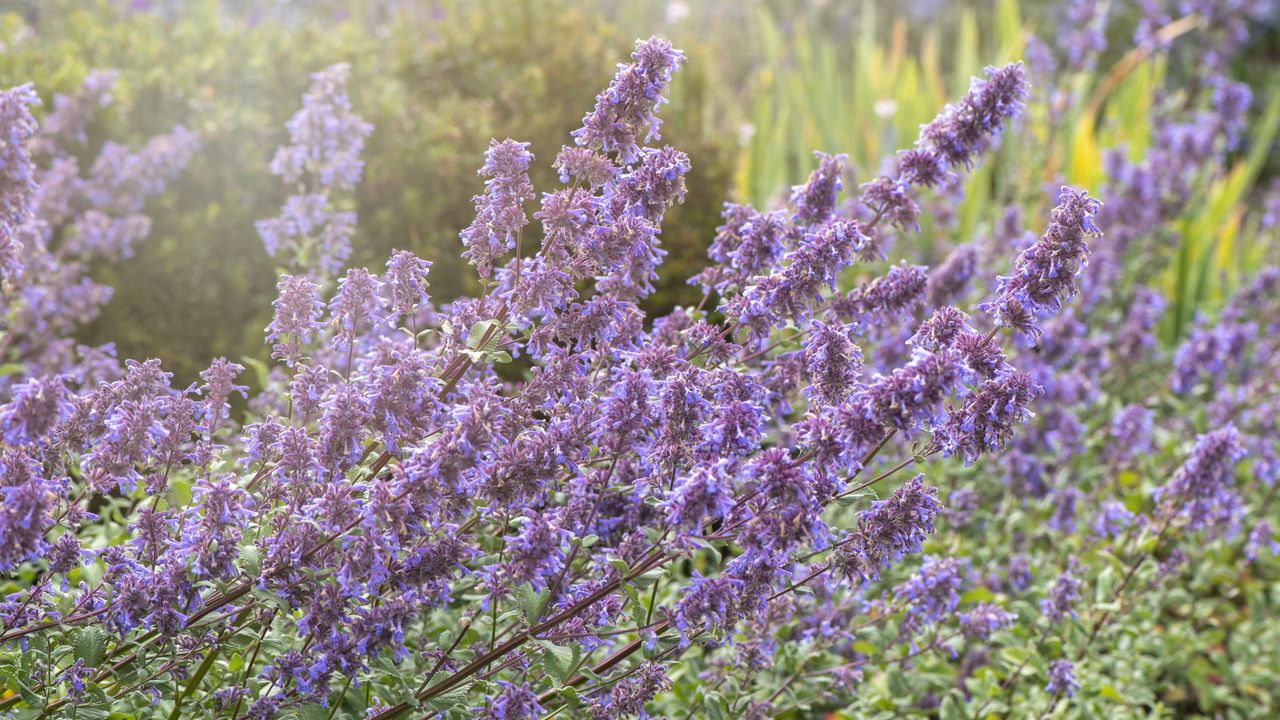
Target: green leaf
x,y
478,333
90,645
450,699
559,660
865,648
8,369
646,579
532,601
897,682
952,709
311,711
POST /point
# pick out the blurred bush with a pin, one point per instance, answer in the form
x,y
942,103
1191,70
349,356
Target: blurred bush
x,y
436,83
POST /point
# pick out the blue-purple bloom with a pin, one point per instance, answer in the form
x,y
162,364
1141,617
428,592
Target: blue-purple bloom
x,y
833,362
815,201
983,620
892,528
17,173
1201,490
932,593
626,112
500,210
1057,605
1062,679
988,417
1044,275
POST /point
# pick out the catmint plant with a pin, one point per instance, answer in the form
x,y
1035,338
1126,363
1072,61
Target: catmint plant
x,y
695,514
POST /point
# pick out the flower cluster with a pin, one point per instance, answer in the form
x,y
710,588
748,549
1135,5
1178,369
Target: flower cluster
x,y
537,500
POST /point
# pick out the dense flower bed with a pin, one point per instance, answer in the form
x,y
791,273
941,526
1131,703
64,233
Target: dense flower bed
x,y
734,510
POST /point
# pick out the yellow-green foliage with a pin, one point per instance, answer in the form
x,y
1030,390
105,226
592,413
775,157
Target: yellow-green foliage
x,y
867,95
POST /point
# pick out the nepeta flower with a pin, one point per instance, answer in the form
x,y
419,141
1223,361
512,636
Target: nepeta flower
x,y
1210,352
737,413
833,362
941,330
67,124
788,506
28,504
909,397
891,529
297,317
342,426
1056,606
704,494
985,619
654,185
500,210
626,414
35,407
1130,433
402,398
307,389
17,173
626,112
747,244
949,281
1062,679
219,384
815,201
1044,275
966,128
1086,38
356,308
932,593
327,136
890,200
988,417
628,697
708,601
1201,490
66,554
513,702
535,554
810,268
683,409
898,291
584,166
1112,519
406,278
1261,537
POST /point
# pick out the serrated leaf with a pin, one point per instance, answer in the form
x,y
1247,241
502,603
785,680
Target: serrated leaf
x,y
90,645
646,579
311,711
558,660
449,699
532,601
